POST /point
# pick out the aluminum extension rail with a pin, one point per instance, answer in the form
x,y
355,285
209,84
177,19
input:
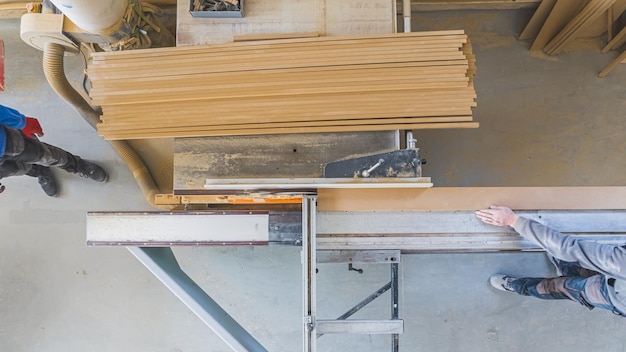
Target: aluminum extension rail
x,y
374,237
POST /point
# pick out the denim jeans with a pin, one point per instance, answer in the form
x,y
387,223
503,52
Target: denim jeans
x,y
22,153
576,283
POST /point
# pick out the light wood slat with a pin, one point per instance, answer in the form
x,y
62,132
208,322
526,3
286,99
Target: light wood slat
x,y
617,41
317,102
203,79
169,69
561,14
246,91
270,104
260,131
241,118
448,42
403,104
160,52
380,48
345,122
612,65
250,37
186,118
207,71
537,20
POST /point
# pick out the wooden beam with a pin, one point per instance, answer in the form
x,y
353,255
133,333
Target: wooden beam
x,y
473,198
433,5
251,37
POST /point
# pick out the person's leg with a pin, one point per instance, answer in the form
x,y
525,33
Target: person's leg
x,y
589,291
564,268
13,168
43,174
46,179
35,152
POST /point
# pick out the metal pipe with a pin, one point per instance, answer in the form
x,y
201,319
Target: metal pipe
x,y
53,70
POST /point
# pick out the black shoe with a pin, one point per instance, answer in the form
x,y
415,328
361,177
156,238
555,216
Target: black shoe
x,y
48,182
92,171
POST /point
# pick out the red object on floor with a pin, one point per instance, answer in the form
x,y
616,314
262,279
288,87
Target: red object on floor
x,y
1,65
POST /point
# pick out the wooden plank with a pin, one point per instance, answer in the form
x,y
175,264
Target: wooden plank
x,y
596,9
601,25
473,198
617,41
386,127
537,20
273,36
448,5
382,44
143,54
203,79
316,123
561,14
273,90
612,65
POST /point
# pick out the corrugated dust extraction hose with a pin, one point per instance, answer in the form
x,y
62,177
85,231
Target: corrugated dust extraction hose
x,y
55,74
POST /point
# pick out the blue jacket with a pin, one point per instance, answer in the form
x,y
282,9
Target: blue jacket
x,y
9,118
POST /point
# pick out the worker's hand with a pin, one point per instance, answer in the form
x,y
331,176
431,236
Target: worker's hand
x,y
497,215
32,128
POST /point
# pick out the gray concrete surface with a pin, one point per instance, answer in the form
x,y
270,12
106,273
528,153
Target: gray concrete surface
x,y
56,294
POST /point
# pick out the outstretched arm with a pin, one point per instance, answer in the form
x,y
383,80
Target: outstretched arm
x,y
604,258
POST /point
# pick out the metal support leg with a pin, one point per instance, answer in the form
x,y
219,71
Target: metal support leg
x,y
309,272
162,263
395,338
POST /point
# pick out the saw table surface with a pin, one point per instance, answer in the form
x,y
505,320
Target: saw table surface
x,y
269,156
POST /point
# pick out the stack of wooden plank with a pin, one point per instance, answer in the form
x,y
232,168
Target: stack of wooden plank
x,y
420,80
559,22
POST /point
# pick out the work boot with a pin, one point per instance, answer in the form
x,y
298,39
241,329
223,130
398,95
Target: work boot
x,y
47,182
502,282
92,171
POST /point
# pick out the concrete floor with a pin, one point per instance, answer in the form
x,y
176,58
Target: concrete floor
x,y
545,121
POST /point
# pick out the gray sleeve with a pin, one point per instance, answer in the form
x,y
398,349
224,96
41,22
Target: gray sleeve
x,y
604,258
